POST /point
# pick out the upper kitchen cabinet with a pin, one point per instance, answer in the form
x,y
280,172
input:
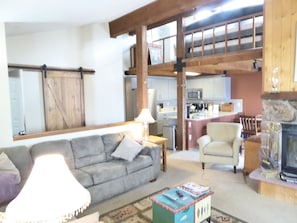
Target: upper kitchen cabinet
x,y
165,87
214,88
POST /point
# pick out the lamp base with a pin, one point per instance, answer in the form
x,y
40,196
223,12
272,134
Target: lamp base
x,y
145,131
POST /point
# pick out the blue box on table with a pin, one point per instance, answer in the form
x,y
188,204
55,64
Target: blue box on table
x,y
168,207
179,206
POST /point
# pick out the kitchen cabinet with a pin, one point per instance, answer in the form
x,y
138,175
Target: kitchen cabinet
x,y
172,89
214,88
165,87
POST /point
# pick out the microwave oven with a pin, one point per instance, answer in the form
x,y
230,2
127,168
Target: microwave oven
x,y
194,94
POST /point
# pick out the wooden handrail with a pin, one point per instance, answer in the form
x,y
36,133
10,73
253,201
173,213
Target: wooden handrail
x,y
212,27
222,24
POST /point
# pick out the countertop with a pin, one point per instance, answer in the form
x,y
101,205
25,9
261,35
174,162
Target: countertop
x,y
202,116
209,115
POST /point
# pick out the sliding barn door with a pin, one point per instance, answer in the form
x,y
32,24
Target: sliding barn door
x,y
64,104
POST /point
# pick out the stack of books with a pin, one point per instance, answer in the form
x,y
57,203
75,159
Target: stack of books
x,y
194,190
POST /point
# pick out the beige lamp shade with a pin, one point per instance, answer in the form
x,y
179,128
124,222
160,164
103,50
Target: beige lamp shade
x,y
145,116
51,194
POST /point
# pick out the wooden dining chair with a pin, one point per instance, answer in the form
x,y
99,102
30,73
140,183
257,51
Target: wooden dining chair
x,y
250,125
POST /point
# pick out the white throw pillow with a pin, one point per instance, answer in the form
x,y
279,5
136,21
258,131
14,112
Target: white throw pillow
x,y
127,149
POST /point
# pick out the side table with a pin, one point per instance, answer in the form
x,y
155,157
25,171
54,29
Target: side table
x,y
251,154
162,142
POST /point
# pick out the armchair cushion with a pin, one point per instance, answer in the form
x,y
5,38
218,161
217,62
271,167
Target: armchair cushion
x,y
219,148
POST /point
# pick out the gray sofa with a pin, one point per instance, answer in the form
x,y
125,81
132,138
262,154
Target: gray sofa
x,y
90,160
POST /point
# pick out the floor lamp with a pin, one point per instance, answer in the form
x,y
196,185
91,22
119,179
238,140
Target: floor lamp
x,y
50,195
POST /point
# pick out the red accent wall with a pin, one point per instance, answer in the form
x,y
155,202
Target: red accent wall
x,y
249,88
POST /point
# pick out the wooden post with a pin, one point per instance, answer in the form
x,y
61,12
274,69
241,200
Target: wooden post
x,y
181,85
141,67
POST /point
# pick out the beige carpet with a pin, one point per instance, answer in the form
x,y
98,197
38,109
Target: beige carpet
x,y
140,211
233,193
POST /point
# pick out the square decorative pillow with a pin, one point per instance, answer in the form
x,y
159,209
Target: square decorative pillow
x,y
9,179
127,149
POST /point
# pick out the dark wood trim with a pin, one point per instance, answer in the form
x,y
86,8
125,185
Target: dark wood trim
x,y
237,61
72,130
50,68
280,96
181,86
141,67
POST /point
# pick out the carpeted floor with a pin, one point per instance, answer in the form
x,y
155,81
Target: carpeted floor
x,y
140,211
235,194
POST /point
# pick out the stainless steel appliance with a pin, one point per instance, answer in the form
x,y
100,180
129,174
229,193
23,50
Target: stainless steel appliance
x,y
169,132
131,107
194,94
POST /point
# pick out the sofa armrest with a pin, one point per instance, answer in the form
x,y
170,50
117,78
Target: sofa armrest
x,y
203,141
152,150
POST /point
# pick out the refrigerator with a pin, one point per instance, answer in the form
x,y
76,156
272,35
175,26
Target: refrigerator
x,y
131,106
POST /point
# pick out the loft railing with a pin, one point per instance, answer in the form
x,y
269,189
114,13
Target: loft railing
x,y
233,35
229,36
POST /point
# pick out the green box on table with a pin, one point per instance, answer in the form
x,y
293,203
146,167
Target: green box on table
x,y
175,209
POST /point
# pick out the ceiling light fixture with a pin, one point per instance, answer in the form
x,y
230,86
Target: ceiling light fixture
x,y
190,73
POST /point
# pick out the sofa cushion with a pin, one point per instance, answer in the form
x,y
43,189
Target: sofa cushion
x,y
127,149
111,141
62,147
9,179
9,189
106,171
140,162
82,177
88,150
20,156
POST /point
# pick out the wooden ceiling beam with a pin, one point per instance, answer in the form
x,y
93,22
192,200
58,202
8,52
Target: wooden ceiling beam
x,y
237,62
224,58
155,12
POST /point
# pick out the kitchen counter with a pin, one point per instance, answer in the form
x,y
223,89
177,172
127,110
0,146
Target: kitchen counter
x,y
209,115
204,116
196,125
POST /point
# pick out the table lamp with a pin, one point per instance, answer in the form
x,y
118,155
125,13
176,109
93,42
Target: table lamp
x,y
50,195
145,117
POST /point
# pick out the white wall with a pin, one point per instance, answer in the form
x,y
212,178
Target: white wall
x,y
88,46
5,115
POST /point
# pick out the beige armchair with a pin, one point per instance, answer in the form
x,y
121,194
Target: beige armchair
x,y
221,144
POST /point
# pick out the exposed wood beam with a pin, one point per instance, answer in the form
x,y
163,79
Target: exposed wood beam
x,y
154,13
237,62
224,58
141,68
181,87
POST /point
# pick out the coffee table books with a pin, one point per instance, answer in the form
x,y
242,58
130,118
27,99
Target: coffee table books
x,y
193,189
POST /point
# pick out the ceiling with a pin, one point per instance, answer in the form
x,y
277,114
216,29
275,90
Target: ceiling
x,y
29,16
